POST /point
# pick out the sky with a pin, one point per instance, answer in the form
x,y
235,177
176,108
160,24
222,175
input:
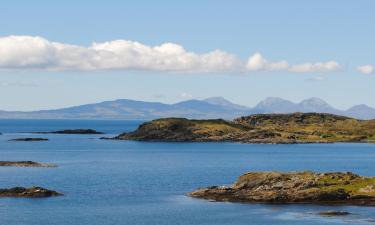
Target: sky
x,y
59,54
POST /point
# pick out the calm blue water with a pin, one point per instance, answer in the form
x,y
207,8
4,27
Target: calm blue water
x,y
123,182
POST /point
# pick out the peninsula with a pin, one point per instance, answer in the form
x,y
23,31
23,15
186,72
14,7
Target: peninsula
x,y
258,128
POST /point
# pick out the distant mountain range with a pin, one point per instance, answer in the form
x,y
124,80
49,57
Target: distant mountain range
x,y
215,107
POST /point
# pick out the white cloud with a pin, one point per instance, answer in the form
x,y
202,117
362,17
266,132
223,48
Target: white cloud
x,y
186,95
315,67
21,52
366,69
258,63
28,52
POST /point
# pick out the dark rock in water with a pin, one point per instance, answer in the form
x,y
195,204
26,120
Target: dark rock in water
x,y
29,139
72,131
33,192
298,187
25,164
106,138
334,213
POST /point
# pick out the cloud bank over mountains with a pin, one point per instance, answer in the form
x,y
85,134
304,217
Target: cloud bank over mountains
x,y
33,52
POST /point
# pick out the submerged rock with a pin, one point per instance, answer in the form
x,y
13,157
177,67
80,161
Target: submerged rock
x,y
298,187
25,164
29,139
33,192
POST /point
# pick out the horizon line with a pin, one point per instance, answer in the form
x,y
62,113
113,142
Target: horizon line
x,y
190,99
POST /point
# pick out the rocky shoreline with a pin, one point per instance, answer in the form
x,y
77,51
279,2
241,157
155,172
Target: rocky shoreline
x,y
25,164
32,192
292,188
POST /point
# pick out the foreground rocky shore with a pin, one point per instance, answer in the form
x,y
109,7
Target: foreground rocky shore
x,y
299,187
33,192
262,128
25,164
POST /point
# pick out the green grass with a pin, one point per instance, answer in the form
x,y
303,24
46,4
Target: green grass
x,y
297,127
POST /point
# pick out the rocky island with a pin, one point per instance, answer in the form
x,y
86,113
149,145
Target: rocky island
x,y
259,128
29,139
33,192
72,131
25,164
298,187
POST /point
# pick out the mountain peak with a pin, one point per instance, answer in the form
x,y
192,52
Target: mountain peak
x,y
316,105
314,101
269,101
361,111
273,99
220,101
275,105
360,107
217,100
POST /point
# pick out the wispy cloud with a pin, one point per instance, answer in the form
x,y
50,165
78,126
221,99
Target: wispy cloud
x,y
315,79
17,84
30,52
366,69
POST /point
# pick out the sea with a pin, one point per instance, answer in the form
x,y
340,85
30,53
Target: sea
x,y
146,183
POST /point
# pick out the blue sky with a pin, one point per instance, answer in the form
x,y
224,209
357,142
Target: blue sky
x,y
294,32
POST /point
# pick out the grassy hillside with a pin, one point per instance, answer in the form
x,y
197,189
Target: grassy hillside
x,y
260,128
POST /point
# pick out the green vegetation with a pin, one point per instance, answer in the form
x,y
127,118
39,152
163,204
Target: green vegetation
x,y
297,187
371,138
326,182
261,128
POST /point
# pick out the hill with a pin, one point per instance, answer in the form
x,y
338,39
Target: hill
x,y
259,128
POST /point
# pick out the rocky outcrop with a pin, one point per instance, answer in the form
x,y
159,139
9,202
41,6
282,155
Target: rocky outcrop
x,y
261,128
298,187
25,164
72,131
334,213
29,139
33,192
